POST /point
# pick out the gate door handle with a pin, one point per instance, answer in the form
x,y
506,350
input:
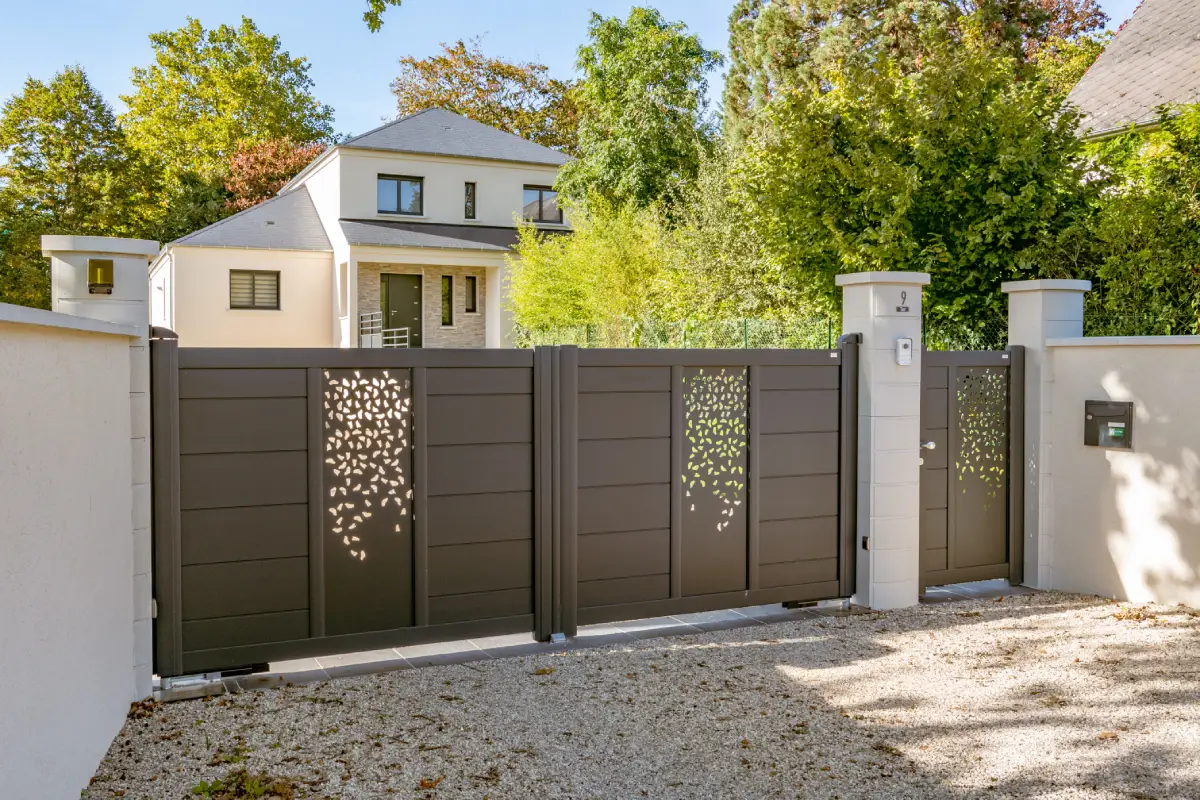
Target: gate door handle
x,y
928,445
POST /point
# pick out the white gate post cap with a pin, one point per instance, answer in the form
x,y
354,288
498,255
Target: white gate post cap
x,y
99,244
1010,287
910,278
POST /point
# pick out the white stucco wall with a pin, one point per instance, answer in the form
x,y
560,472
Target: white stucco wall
x,y
1127,522
499,186
203,318
66,563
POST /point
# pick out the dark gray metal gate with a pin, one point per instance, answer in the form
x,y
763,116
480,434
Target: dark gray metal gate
x,y
312,502
972,425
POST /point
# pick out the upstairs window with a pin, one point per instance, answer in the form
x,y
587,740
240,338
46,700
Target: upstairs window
x,y
253,289
469,202
541,205
400,195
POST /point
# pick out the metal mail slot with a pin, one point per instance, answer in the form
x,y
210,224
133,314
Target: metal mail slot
x,y
1108,424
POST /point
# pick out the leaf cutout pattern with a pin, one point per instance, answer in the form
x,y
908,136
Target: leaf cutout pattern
x,y
715,416
368,426
982,394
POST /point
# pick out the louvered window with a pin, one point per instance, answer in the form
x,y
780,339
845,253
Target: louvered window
x,y
253,289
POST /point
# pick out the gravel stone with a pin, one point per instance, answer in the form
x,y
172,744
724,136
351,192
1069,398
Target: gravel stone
x,y
1046,695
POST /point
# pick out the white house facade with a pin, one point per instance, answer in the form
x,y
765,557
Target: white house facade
x,y
397,237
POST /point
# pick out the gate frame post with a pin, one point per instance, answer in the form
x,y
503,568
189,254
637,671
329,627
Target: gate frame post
x,y
848,465
1040,310
886,307
164,396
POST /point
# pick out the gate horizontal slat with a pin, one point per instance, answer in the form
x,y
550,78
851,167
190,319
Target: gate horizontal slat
x,y
202,383
215,535
784,455
623,462
476,518
244,587
281,626
610,509
605,556
480,469
243,425
243,479
798,497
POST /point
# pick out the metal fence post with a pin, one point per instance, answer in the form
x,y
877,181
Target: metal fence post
x,y
1016,464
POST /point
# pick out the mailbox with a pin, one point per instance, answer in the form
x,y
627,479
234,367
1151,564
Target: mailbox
x,y
1107,424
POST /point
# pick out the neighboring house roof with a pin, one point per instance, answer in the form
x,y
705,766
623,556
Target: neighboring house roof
x,y
436,131
1154,59
427,234
285,222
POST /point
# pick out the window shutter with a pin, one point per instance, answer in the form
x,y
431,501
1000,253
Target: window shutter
x,y
266,290
241,289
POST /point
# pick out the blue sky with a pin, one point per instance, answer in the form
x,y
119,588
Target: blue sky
x,y
351,66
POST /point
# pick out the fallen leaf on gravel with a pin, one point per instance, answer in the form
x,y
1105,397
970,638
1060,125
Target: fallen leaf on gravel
x,y
1109,735
884,747
432,783
544,671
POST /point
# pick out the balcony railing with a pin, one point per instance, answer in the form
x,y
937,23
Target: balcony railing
x,y
372,334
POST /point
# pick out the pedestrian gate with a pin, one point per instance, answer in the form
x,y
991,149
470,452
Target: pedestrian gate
x,y
972,425
311,502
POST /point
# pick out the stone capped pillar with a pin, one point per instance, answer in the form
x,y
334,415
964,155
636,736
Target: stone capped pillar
x,y
885,308
1037,311
108,279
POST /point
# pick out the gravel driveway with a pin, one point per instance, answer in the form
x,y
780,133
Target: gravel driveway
x,y
1045,695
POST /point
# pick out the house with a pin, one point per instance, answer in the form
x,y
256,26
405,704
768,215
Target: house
x,y
397,237
1154,60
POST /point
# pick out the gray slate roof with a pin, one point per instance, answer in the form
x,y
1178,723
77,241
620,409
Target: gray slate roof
x,y
285,222
428,234
1155,59
436,131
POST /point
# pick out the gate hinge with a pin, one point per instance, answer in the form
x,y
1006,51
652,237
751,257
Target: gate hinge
x,y
866,543
153,608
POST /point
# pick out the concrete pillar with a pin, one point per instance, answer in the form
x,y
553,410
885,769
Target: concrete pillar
x,y
80,268
1037,311
885,307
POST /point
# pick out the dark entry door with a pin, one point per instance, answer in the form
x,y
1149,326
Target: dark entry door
x,y
401,301
969,445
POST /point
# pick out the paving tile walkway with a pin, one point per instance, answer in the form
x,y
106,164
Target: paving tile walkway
x,y
323,668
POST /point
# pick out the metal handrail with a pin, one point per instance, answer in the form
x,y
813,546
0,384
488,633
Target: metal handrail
x,y
372,334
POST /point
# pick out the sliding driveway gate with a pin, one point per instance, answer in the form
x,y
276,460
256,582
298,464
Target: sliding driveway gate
x,y
311,502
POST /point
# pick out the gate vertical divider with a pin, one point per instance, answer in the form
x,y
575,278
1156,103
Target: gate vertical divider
x,y
676,481
556,472
316,495
848,464
167,582
420,490
1016,465
754,375
953,435
569,492
543,496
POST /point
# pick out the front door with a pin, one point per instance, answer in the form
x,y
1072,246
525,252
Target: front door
x,y
401,305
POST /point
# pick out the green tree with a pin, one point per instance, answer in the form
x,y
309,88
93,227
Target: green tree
x,y
373,16
65,167
642,111
778,46
520,98
611,269
210,92
1062,62
958,170
1140,246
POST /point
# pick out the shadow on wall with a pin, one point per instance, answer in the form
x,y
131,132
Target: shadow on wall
x,y
1146,502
